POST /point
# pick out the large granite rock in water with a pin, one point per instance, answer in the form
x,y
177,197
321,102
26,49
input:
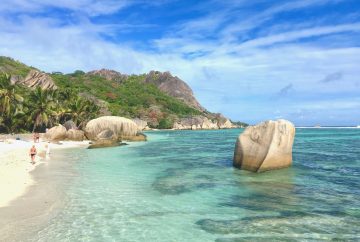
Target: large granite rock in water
x,y
119,127
106,134
265,146
106,138
137,137
56,133
104,144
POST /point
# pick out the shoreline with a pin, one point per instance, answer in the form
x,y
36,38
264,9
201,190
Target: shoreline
x,y
37,200
15,166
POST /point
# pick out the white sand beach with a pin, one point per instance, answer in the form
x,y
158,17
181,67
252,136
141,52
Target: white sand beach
x,y
15,166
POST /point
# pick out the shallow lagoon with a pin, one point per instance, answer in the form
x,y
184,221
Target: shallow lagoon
x,y
181,186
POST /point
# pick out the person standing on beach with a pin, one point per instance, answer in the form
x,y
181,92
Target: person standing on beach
x,y
32,154
47,147
37,137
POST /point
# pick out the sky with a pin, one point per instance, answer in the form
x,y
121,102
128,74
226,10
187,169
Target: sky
x,y
250,60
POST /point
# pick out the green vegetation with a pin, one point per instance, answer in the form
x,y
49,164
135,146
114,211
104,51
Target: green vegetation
x,y
24,111
130,98
240,124
12,67
83,96
165,123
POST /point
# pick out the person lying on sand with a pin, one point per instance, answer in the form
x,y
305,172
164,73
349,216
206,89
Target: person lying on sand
x,y
32,154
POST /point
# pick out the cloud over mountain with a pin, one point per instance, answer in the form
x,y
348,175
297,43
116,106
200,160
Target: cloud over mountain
x,y
243,51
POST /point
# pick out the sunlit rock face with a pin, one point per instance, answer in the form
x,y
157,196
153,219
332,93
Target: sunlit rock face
x,y
75,135
56,133
39,79
173,86
142,124
119,126
266,146
194,123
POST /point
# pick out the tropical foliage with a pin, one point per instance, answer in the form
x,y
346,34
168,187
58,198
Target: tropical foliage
x,y
13,67
83,96
130,98
22,110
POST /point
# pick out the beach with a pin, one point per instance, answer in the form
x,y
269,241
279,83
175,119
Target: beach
x,y
30,194
15,166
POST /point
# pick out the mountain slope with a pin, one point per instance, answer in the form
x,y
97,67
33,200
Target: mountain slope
x,y
164,101
174,87
13,67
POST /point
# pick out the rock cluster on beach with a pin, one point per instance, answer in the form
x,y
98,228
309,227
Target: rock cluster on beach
x,y
56,133
197,122
119,126
75,135
265,146
201,122
110,130
70,125
105,131
60,132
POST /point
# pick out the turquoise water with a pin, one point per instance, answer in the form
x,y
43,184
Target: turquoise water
x,y
181,186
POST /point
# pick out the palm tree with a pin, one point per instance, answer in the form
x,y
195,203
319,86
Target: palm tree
x,y
10,105
42,107
81,110
61,100
2,124
14,123
10,101
67,94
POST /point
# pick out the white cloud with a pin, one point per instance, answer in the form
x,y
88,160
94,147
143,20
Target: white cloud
x,y
256,19
298,34
90,7
239,79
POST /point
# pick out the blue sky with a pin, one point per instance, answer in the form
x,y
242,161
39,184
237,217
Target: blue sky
x,y
251,60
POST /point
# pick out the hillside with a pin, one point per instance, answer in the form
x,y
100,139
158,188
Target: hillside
x,y
13,67
160,99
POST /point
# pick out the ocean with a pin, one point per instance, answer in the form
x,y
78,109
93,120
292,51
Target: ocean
x,y
181,186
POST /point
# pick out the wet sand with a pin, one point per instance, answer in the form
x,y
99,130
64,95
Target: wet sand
x,y
42,201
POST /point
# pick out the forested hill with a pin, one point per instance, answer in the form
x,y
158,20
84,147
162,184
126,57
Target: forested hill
x,y
158,98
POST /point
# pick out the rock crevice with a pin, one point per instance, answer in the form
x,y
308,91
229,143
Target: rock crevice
x,y
265,146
